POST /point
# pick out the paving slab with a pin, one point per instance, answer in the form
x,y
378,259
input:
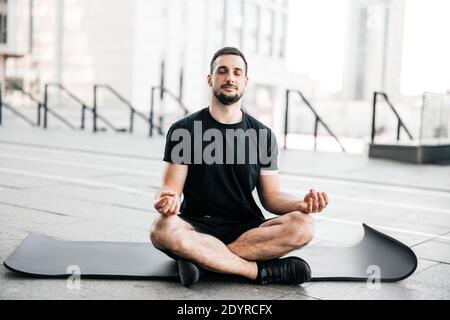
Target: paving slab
x,y
363,291
17,287
434,250
100,196
13,181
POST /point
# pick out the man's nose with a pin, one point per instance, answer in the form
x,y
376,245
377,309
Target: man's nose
x,y
230,77
230,80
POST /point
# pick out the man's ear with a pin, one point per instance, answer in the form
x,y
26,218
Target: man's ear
x,y
209,78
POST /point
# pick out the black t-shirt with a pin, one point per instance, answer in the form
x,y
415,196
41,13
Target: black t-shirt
x,y
224,163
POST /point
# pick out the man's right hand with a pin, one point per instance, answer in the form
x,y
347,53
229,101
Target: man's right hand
x,y
167,203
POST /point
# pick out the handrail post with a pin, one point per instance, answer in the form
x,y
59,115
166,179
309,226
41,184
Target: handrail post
x,y
286,111
131,120
398,129
94,110
152,100
45,105
374,103
421,118
83,110
160,121
161,117
38,122
316,125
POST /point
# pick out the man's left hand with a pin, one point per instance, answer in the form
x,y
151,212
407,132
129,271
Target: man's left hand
x,y
315,201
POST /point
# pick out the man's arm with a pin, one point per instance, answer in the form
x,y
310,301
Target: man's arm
x,y
278,202
167,201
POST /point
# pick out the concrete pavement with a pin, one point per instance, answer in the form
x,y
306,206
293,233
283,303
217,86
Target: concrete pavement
x,y
84,186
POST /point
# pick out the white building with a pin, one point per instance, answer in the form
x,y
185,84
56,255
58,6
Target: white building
x,y
373,48
14,31
133,45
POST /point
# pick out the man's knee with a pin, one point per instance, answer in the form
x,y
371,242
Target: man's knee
x,y
166,230
162,226
300,228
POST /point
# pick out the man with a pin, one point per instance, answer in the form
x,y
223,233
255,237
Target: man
x,y
219,226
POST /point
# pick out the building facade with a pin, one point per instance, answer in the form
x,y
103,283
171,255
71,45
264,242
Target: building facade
x,y
14,31
374,48
133,45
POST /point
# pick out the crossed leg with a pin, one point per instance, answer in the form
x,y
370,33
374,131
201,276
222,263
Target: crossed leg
x,y
274,238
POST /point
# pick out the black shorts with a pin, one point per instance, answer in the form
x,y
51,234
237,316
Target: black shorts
x,y
225,230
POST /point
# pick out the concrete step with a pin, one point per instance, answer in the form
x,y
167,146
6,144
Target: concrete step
x,y
415,151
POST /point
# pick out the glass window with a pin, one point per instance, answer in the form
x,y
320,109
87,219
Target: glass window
x,y
280,38
267,18
253,18
218,18
235,14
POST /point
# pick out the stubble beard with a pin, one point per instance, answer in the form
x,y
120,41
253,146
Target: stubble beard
x,y
227,99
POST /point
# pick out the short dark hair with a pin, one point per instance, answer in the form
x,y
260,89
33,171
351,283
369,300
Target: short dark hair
x,y
228,50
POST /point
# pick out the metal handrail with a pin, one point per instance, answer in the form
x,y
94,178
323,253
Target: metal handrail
x,y
152,100
400,123
318,120
84,107
17,113
40,106
32,98
133,110
26,93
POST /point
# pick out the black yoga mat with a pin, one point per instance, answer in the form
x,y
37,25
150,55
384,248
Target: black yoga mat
x,y
376,256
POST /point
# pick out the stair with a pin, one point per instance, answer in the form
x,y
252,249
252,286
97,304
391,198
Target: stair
x,y
419,152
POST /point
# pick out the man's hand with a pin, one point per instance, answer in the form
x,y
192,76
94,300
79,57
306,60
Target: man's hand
x,y
314,202
167,203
